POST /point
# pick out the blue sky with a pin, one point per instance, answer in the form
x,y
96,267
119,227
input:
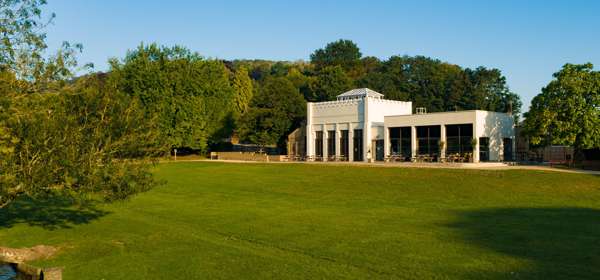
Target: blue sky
x,y
527,40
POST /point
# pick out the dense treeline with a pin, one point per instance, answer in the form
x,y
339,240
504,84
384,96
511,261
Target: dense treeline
x,y
199,102
340,66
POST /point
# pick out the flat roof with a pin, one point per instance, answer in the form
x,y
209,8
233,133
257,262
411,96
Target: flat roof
x,y
446,112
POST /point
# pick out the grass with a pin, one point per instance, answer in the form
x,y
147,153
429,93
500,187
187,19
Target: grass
x,y
298,221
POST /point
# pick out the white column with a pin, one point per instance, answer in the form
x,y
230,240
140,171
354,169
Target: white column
x,y
350,142
443,138
477,132
338,142
386,141
476,149
325,137
367,131
413,140
310,138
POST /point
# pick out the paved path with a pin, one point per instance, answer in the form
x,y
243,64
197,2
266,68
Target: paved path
x,y
477,166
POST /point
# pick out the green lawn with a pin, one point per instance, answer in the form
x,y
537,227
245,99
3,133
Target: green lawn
x,y
300,221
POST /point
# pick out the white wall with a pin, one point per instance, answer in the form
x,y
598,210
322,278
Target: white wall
x,y
366,114
338,112
379,108
495,126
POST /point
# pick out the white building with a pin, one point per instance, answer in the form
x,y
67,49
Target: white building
x,y
361,125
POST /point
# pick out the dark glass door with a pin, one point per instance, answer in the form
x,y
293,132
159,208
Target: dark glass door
x,y
379,150
358,145
508,149
484,149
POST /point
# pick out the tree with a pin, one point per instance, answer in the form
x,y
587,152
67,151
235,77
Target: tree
x,y
344,53
243,90
489,91
190,95
331,81
23,48
304,83
84,142
275,111
567,111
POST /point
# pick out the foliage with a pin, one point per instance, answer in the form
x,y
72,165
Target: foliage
x,y
331,81
344,53
427,82
243,90
83,141
567,111
190,96
22,48
276,110
58,138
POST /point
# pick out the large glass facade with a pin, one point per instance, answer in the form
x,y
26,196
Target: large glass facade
x,y
428,140
400,142
358,145
344,144
331,143
319,144
459,139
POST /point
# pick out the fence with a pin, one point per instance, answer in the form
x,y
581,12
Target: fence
x,y
248,156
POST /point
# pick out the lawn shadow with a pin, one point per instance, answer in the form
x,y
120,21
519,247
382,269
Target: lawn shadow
x,y
50,213
560,243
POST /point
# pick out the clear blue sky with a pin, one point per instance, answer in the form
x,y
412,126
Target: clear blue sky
x,y
527,40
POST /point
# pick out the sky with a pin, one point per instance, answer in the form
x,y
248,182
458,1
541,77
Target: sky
x,y
527,40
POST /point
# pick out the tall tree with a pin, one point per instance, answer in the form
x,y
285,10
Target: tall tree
x,y
489,91
75,142
243,90
331,81
190,95
304,83
567,111
23,48
88,140
344,53
276,110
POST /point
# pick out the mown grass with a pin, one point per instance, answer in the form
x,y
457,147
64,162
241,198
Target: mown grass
x,y
298,221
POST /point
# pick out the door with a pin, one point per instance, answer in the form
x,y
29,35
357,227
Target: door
x,y
484,149
508,149
358,145
378,144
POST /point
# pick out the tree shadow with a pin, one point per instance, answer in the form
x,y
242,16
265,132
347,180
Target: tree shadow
x,y
559,243
49,213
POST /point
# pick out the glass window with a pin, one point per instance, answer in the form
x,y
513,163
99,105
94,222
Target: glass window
x,y
319,143
428,140
331,143
400,142
459,139
484,148
358,145
344,144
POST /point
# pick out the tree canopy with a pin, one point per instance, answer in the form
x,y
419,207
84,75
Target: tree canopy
x,y
567,111
276,110
191,96
344,53
81,139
